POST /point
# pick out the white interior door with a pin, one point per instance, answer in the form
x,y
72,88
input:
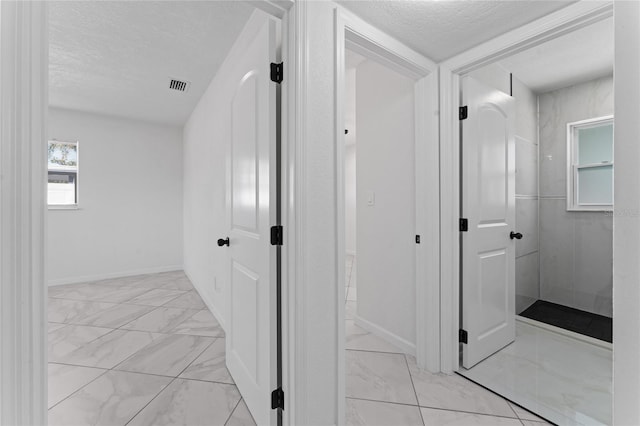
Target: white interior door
x,y
252,191
488,203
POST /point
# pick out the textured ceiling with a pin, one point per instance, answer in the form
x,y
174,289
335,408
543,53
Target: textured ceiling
x,y
442,29
576,57
117,57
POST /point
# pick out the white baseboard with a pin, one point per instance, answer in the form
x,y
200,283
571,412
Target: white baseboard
x,y
563,332
99,277
208,302
397,341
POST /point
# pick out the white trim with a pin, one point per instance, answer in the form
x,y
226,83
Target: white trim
x,y
276,8
208,302
404,345
350,252
570,18
573,17
99,277
563,332
63,207
340,252
294,215
23,164
356,34
287,55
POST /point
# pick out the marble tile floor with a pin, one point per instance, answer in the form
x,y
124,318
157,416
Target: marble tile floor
x,y
385,387
566,380
138,350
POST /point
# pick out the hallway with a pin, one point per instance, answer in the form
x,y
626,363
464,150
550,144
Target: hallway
x,y
140,350
385,386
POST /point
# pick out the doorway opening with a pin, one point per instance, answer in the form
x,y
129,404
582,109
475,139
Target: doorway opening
x,y
545,184
142,301
380,229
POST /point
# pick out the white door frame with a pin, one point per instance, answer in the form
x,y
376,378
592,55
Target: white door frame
x,y
570,18
368,41
23,159
23,135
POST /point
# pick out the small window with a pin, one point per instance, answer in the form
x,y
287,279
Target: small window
x,y
590,164
62,187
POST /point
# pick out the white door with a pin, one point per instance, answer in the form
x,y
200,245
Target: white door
x,y
488,203
251,202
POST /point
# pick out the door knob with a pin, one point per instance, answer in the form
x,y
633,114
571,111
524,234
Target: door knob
x,y
512,235
224,242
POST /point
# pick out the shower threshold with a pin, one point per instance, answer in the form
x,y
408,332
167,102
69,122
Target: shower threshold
x,y
582,322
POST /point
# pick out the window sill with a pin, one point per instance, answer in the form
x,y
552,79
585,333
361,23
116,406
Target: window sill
x,y
594,209
69,207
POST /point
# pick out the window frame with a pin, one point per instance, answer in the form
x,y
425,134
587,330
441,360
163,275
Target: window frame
x,y
74,206
573,167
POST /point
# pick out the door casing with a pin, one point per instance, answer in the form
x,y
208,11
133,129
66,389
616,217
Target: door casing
x,y
570,18
366,40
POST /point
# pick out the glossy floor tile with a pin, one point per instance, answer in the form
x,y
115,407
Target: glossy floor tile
x,y
190,402
112,399
565,380
132,361
210,365
66,379
384,386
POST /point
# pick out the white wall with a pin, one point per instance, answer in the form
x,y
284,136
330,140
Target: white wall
x,y
527,249
350,199
130,199
386,230
576,248
626,241
206,139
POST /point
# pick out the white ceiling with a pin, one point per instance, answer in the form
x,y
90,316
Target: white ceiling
x,y
442,29
574,58
116,57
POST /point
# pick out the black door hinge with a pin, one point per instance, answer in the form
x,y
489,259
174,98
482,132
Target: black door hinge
x,y
277,399
276,235
277,72
417,239
464,225
463,113
463,337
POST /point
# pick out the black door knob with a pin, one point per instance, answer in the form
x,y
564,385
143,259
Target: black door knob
x,y
516,235
224,242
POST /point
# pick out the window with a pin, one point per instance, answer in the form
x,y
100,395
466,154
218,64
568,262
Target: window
x,y
62,187
590,164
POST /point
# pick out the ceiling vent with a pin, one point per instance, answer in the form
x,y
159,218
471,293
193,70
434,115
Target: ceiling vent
x,y
180,86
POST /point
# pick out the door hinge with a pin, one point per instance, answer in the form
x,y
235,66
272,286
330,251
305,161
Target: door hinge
x,y
276,235
463,113
463,337
277,399
277,72
464,225
417,239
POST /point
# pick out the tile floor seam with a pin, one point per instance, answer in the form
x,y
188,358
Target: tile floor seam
x,y
232,411
148,312
150,401
375,352
436,408
79,389
199,355
413,386
86,343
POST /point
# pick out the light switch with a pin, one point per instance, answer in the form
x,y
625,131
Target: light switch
x,y
371,198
